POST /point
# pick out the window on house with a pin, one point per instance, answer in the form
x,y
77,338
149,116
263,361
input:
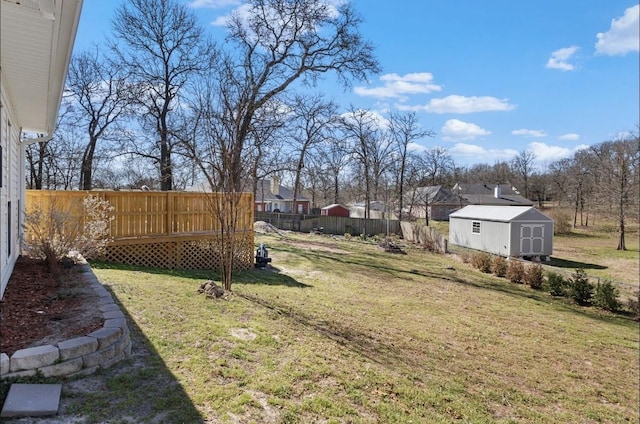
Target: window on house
x,y
475,227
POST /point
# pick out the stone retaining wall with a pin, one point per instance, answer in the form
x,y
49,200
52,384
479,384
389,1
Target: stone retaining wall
x,y
80,356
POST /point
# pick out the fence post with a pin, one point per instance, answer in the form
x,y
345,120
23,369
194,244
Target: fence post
x,y
169,223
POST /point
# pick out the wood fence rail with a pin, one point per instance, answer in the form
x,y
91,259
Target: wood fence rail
x,y
159,229
331,224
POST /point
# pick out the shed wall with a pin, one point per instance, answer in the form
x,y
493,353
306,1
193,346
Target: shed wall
x,y
494,237
516,243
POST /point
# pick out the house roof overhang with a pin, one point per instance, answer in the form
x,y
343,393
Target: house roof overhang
x,y
37,39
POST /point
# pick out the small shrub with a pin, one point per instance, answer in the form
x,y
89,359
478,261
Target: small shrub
x,y
481,261
557,284
515,271
533,276
499,266
54,232
561,222
580,289
633,303
606,296
347,236
466,257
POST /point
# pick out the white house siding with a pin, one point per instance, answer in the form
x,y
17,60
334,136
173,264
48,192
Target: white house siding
x,y
9,192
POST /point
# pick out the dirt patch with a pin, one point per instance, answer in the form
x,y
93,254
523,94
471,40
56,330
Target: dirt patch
x,y
317,246
242,334
38,308
262,227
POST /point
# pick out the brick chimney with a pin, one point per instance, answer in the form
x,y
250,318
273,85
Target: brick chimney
x,y
275,186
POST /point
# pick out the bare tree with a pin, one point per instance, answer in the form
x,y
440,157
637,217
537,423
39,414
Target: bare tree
x,y
271,46
362,130
618,168
499,173
582,183
104,95
438,165
522,164
54,164
329,161
314,119
404,130
161,46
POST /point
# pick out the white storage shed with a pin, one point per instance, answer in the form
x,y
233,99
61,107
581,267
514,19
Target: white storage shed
x,y
518,231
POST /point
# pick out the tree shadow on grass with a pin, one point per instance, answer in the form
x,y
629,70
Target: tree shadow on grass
x,y
366,344
138,389
567,263
268,276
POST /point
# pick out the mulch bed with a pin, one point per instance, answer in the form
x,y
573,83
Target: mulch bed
x,y
37,307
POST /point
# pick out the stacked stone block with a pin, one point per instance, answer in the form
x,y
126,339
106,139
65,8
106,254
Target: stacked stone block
x,y
80,356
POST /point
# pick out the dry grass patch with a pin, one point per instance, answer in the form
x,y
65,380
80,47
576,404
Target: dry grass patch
x,y
371,337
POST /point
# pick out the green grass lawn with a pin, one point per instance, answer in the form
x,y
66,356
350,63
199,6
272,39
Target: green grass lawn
x,y
341,332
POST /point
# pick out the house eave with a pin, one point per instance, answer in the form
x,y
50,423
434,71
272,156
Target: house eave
x,y
37,39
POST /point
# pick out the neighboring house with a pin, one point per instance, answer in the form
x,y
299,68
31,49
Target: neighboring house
x,y
510,231
437,200
491,194
377,210
271,196
36,43
335,210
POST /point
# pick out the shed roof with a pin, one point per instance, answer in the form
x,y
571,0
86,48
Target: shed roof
x,y
37,40
335,205
500,213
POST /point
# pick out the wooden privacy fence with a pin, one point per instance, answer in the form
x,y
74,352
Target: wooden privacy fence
x,y
331,224
171,230
426,236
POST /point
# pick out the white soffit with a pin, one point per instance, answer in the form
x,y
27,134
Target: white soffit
x,y
36,42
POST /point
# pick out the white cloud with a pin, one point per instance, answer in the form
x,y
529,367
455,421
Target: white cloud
x,y
245,10
479,154
415,147
569,137
529,133
559,59
455,129
546,153
213,4
623,35
370,116
462,104
399,86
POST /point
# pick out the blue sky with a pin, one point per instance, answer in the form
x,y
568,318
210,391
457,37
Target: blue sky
x,y
490,78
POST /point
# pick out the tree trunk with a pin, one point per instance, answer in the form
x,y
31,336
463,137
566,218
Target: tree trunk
x,y
86,174
166,174
621,241
296,183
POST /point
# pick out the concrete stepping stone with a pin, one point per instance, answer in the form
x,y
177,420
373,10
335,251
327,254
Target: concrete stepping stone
x,y
32,400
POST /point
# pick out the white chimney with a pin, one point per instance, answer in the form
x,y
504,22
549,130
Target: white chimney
x,y
275,186
497,192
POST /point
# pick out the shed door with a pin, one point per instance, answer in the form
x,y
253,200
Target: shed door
x,y
531,239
